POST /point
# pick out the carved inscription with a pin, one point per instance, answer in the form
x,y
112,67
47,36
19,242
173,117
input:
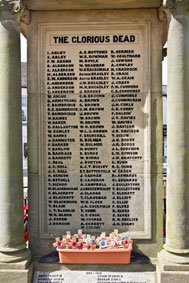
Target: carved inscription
x,y
95,131
93,277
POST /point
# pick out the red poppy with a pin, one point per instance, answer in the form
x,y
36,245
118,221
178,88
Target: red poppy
x,y
74,245
80,245
126,243
115,244
59,244
89,247
25,208
26,237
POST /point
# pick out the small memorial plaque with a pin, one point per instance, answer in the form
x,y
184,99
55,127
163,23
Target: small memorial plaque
x,y
95,129
93,277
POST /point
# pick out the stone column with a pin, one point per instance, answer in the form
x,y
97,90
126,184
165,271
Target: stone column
x,y
12,245
176,249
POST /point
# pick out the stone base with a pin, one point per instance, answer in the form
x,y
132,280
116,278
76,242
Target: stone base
x,y
21,265
93,277
49,270
12,275
171,272
172,276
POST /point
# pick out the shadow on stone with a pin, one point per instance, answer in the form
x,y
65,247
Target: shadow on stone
x,y
136,258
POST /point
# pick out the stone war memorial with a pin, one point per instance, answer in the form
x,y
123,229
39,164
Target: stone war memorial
x,y
95,137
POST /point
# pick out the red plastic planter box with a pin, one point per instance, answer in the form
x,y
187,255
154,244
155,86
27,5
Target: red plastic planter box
x,y
100,256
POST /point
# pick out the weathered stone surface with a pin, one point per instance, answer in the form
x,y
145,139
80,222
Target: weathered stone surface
x,y
177,221
95,127
167,272
173,261
37,90
13,6
93,277
16,275
86,4
14,257
12,246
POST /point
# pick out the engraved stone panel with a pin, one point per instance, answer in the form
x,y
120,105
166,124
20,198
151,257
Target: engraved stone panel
x,y
95,128
93,277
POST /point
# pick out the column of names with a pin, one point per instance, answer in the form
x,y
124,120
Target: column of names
x,y
95,125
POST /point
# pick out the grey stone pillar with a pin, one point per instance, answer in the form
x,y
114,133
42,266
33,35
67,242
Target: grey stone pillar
x,y
12,245
176,249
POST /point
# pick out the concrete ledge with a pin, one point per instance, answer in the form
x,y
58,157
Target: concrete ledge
x,y
139,263
172,276
166,265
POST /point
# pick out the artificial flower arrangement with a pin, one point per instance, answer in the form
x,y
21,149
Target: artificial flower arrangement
x,y
82,248
83,241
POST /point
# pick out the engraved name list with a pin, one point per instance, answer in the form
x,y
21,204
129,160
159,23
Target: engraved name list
x,y
96,132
